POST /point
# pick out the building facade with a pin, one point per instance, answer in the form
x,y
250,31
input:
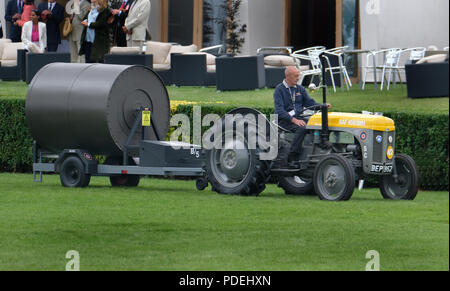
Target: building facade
x,y
366,24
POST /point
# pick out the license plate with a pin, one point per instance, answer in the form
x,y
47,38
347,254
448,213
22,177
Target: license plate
x,y
381,169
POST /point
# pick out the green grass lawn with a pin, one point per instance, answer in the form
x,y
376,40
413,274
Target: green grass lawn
x,y
354,101
168,225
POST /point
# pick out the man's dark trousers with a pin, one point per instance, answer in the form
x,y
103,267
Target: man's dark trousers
x,y
300,132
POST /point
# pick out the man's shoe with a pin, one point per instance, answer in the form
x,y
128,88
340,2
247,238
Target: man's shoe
x,y
294,165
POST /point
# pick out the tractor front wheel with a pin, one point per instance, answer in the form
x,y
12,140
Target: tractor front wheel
x,y
406,186
334,178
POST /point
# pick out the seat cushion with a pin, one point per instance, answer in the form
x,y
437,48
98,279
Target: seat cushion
x,y
10,51
210,59
273,67
161,67
279,61
3,41
125,50
440,58
179,49
159,50
8,63
302,68
211,68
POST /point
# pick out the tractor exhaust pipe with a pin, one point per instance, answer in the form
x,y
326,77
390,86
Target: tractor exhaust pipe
x,y
325,136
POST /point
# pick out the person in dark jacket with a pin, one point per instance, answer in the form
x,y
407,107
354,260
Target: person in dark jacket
x,y
95,40
52,14
12,14
120,14
290,99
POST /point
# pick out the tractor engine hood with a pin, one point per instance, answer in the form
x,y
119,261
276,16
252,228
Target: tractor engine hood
x,y
353,120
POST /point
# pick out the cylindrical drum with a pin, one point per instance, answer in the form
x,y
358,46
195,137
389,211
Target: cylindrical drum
x,y
94,106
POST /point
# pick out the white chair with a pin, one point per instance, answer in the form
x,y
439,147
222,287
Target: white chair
x,y
340,69
215,50
415,54
372,66
390,67
312,55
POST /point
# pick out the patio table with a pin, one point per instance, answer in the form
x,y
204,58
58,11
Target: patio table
x,y
358,53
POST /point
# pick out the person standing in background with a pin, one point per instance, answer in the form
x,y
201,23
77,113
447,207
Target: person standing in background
x,y
135,26
120,14
28,6
95,40
12,14
53,14
76,9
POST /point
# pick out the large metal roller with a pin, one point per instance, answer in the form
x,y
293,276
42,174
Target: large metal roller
x,y
94,106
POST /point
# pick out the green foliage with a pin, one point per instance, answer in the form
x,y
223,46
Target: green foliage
x,y
423,136
15,140
234,40
355,100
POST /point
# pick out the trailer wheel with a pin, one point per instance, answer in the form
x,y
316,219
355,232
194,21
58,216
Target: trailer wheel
x,y
201,184
73,174
297,186
122,180
334,178
407,185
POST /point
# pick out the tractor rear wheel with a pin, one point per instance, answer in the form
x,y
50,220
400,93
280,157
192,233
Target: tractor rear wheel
x,y
236,171
122,180
234,168
334,178
297,186
407,184
233,162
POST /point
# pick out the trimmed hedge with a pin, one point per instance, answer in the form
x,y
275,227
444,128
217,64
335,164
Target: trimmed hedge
x,y
15,140
423,136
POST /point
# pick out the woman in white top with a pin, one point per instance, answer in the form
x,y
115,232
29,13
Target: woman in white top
x,y
34,33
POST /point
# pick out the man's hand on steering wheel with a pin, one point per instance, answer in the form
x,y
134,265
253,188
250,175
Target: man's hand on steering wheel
x,y
298,122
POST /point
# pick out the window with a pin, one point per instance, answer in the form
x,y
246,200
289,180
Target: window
x,y
350,12
214,18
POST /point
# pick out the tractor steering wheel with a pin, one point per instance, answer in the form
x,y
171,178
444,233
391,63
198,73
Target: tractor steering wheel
x,y
314,108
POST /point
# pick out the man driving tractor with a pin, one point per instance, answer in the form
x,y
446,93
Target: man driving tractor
x,y
290,99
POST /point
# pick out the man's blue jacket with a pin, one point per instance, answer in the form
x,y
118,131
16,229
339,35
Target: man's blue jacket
x,y
285,97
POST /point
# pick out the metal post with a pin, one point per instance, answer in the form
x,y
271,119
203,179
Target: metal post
x,y
137,121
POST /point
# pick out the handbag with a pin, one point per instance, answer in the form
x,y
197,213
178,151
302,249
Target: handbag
x,y
67,27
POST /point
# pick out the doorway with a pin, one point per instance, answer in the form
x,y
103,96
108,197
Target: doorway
x,y
199,22
312,23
